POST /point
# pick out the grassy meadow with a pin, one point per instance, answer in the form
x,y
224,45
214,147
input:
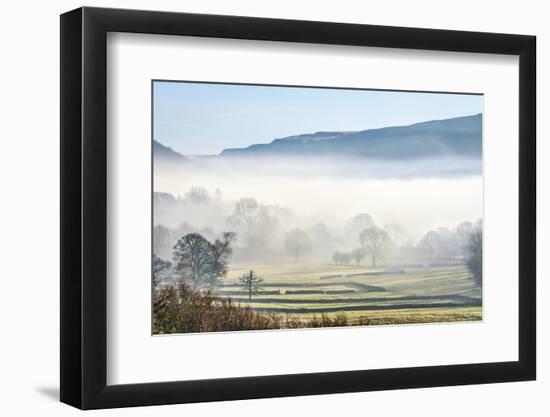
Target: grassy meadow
x,y
393,293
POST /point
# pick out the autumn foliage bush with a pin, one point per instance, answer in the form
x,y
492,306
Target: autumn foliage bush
x,y
180,309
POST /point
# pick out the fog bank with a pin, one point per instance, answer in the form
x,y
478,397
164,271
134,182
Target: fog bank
x,y
418,195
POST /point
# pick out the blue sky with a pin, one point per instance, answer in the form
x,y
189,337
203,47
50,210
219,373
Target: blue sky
x,y
199,118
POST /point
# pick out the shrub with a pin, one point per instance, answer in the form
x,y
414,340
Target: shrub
x,y
181,309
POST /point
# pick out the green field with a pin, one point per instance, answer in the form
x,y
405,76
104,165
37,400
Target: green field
x,y
394,293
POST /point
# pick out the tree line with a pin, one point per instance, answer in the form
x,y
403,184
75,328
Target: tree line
x,y
465,242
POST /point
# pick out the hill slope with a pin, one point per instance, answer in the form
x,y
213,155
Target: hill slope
x,y
460,137
163,153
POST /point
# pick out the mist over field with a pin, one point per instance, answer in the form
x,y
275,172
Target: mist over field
x,y
319,196
361,227
308,191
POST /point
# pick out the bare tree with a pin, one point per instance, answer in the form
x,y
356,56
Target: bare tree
x,y
251,283
429,244
376,243
247,213
297,242
253,223
474,257
223,247
358,223
160,269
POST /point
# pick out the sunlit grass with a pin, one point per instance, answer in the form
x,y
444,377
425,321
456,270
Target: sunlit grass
x,y
442,293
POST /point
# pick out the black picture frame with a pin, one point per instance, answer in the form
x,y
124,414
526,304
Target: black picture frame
x,y
84,207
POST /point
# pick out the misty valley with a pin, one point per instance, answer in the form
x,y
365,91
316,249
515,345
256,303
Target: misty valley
x,y
319,230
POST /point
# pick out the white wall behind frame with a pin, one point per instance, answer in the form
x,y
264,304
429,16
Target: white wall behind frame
x,y
29,174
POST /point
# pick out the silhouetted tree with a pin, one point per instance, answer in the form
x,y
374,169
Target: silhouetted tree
x,y
160,269
199,262
223,246
474,256
251,283
253,224
247,213
357,224
376,243
429,243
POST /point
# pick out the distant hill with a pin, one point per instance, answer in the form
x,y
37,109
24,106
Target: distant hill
x,y
163,153
456,137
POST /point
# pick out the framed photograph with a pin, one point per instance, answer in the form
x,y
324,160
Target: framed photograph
x,y
257,208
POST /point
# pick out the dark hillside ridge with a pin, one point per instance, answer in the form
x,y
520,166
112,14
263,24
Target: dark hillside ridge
x,y
456,137
163,153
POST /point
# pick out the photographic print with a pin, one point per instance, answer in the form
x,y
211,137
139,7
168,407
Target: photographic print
x,y
289,207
